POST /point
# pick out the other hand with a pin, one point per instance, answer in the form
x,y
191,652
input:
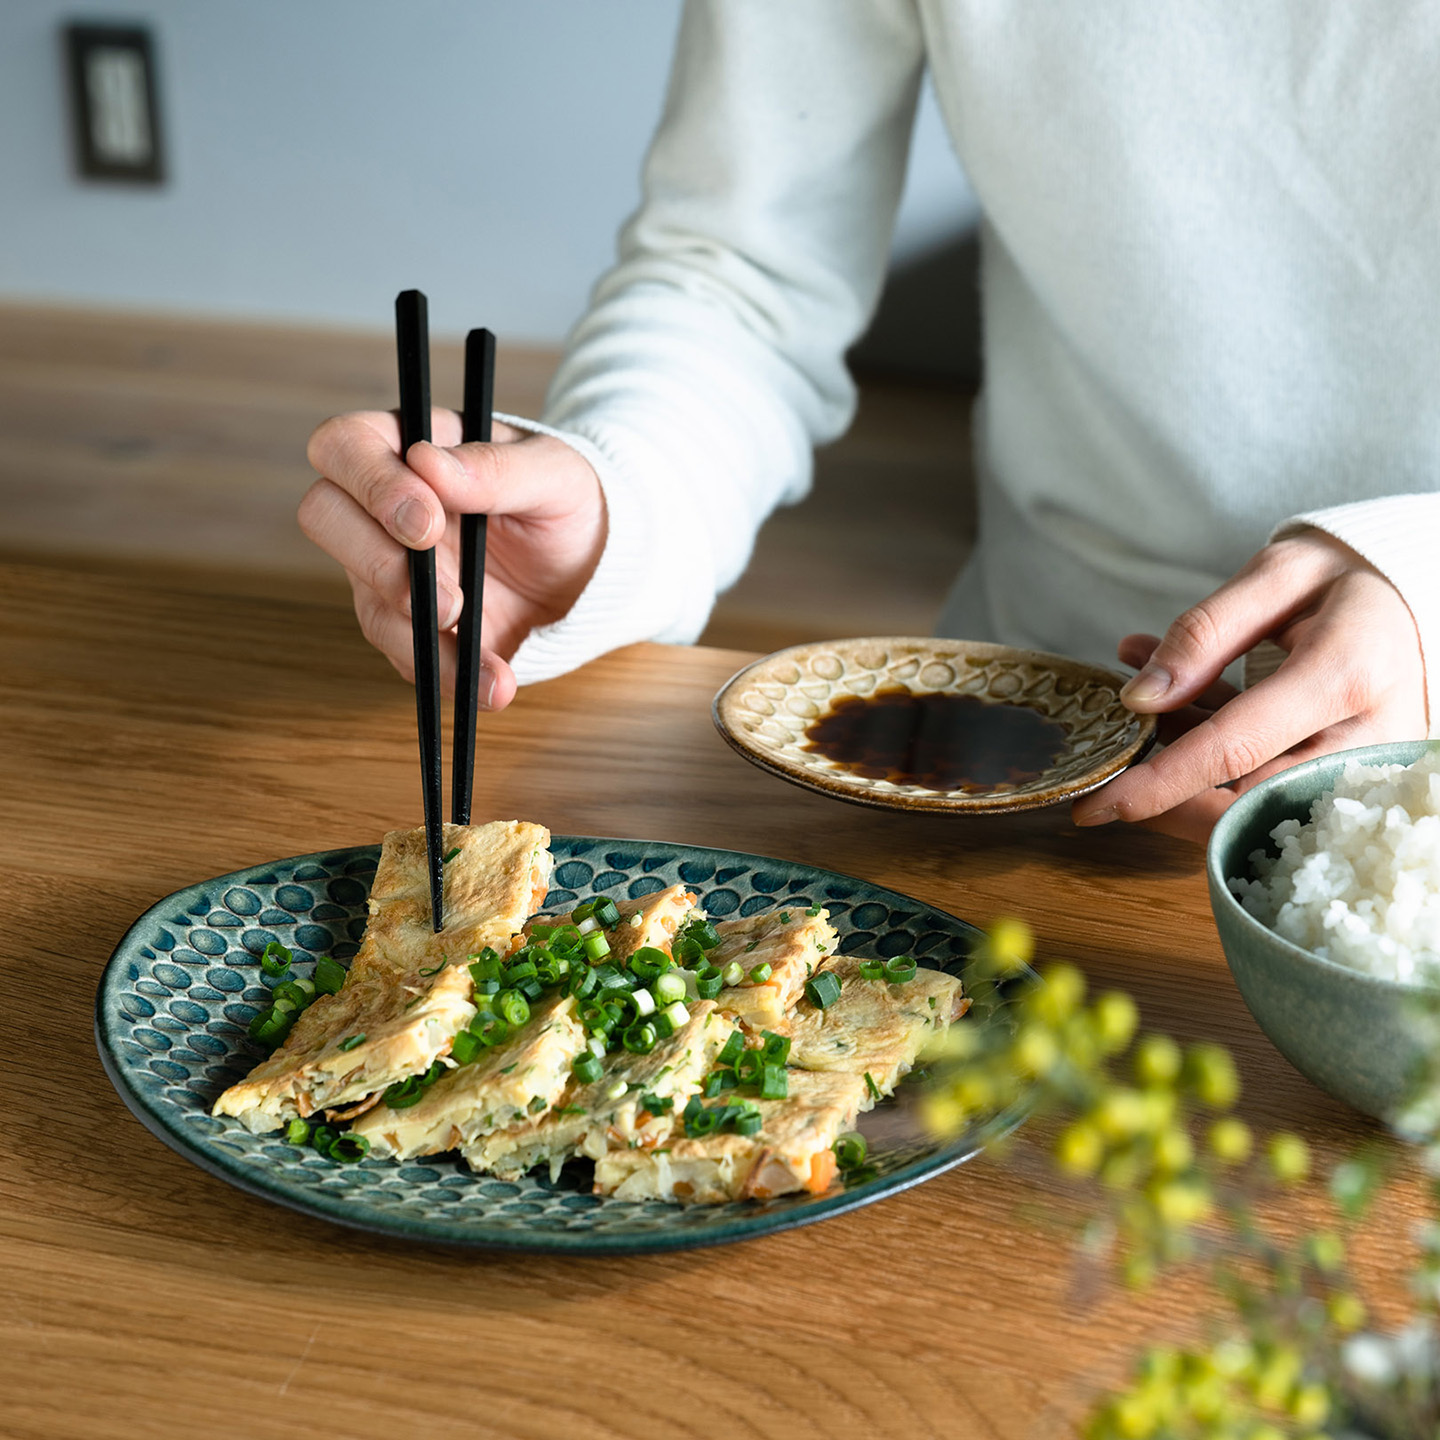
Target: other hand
x,y
546,531
1353,675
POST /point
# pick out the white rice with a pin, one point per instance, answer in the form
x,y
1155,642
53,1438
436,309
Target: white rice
x,y
1360,883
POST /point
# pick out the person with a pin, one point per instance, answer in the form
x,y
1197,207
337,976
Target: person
x,y
1211,412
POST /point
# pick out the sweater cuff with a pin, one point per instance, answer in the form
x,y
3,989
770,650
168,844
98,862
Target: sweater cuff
x,y
627,598
1400,536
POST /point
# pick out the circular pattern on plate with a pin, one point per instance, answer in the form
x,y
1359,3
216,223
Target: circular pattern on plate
x,y
763,712
170,1025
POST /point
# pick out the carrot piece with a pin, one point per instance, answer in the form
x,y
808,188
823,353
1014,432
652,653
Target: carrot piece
x,y
822,1172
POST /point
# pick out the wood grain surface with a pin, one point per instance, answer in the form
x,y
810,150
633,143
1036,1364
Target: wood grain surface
x,y
152,737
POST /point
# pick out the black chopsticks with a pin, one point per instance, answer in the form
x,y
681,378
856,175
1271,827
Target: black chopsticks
x,y
479,401
412,343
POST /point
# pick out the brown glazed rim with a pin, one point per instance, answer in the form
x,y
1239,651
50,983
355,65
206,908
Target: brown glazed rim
x,y
838,787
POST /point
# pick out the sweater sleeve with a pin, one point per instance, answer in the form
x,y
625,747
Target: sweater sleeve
x,y
1400,536
711,359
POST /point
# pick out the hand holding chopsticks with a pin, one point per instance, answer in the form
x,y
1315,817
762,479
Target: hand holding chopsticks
x,y
413,349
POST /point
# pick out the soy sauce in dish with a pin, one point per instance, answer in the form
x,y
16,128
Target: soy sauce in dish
x,y
941,741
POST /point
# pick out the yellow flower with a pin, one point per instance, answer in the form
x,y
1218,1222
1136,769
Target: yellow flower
x,y
1212,1076
1157,1060
1061,994
1180,1203
1310,1406
1173,1151
1346,1311
1079,1149
1035,1050
1230,1140
1289,1158
1011,944
1120,1114
1115,1018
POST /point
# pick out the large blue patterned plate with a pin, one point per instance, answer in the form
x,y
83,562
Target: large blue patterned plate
x,y
176,997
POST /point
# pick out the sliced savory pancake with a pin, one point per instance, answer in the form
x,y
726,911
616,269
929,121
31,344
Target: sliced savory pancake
x,y
495,879
590,1118
651,920
379,1028
520,1078
874,1028
791,1151
790,941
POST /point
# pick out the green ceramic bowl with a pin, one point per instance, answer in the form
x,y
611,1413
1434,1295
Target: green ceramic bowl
x,y
1351,1033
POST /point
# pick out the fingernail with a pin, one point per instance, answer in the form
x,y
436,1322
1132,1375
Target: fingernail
x,y
485,695
1100,817
412,522
452,602
1149,685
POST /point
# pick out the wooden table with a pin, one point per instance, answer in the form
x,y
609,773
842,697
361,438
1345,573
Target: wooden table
x,y
152,737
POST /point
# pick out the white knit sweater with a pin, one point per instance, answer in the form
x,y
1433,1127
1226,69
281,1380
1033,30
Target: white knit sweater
x,y
1211,288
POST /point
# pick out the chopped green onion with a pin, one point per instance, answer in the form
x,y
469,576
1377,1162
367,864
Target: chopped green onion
x,y
713,1086
761,973
286,1007
348,1148
733,973
813,911
583,911
323,1137
703,1122
669,987
872,1089
657,1104
531,988
776,1049
449,855
596,946
588,925
329,975
609,978
596,1017
435,969
490,1029
616,1088
536,1105
708,982
271,1026
288,990
784,917
734,1046
519,969
699,932
276,959
607,913
774,1082
872,969
583,982
749,1123
850,1150
597,1047
643,1001
486,988
900,969
823,989
297,1132
648,962
351,1041
677,1013
465,1047
640,1039
749,1067
587,1069
405,1093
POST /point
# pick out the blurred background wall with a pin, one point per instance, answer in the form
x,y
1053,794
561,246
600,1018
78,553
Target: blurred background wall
x,y
324,153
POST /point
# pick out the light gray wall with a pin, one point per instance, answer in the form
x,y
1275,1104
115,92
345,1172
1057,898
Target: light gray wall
x,y
325,153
